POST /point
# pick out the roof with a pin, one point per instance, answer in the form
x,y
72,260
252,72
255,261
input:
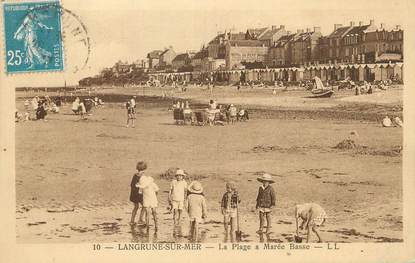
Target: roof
x,y
165,51
305,36
257,31
357,29
230,35
201,54
215,40
282,41
236,36
154,54
339,32
181,57
268,34
246,43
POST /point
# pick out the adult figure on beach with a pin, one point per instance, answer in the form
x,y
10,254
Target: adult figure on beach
x,y
41,110
130,114
75,106
387,122
136,195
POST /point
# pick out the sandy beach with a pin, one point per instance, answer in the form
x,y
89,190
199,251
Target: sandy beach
x,y
72,176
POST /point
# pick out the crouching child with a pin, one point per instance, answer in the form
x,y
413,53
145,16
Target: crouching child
x,y
312,216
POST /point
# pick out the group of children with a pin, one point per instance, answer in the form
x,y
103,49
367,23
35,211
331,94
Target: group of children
x,y
181,196
190,197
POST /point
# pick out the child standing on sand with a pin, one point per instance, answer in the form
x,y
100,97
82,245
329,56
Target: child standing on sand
x,y
196,207
265,201
229,206
136,195
150,203
177,194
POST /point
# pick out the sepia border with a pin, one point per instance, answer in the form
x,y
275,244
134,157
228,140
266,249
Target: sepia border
x,y
10,251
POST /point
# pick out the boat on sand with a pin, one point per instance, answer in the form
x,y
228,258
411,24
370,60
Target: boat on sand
x,y
320,91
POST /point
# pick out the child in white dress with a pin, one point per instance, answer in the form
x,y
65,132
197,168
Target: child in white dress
x,y
150,203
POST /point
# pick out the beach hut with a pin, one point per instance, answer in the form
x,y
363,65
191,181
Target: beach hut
x,y
378,72
397,71
307,73
299,74
370,72
384,71
323,72
390,71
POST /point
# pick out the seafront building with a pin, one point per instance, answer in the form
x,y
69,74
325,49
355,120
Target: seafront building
x,y
275,47
358,51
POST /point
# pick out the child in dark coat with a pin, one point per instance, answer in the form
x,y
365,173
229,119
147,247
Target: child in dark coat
x,y
265,201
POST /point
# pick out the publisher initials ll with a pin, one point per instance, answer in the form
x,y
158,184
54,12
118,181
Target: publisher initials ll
x,y
332,246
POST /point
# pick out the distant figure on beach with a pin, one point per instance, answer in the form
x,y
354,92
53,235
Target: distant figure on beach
x,y
41,110
233,113
75,106
357,90
312,216
212,104
136,194
130,114
387,122
265,201
398,122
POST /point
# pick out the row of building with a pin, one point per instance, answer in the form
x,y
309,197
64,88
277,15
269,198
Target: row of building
x,y
276,47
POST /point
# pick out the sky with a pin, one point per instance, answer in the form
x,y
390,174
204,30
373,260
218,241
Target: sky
x,y
127,30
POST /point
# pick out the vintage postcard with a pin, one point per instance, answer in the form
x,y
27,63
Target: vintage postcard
x,y
226,131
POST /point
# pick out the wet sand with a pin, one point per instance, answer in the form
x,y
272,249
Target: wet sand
x,y
72,177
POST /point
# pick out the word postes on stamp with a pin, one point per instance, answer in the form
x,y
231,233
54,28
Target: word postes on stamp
x,y
33,37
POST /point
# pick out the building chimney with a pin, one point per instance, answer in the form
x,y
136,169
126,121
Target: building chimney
x,y
351,23
317,29
336,26
372,22
382,26
360,23
398,27
282,27
274,27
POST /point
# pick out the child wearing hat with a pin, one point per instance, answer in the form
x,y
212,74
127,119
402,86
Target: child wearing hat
x,y
196,207
265,201
177,194
312,216
136,195
150,203
229,206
